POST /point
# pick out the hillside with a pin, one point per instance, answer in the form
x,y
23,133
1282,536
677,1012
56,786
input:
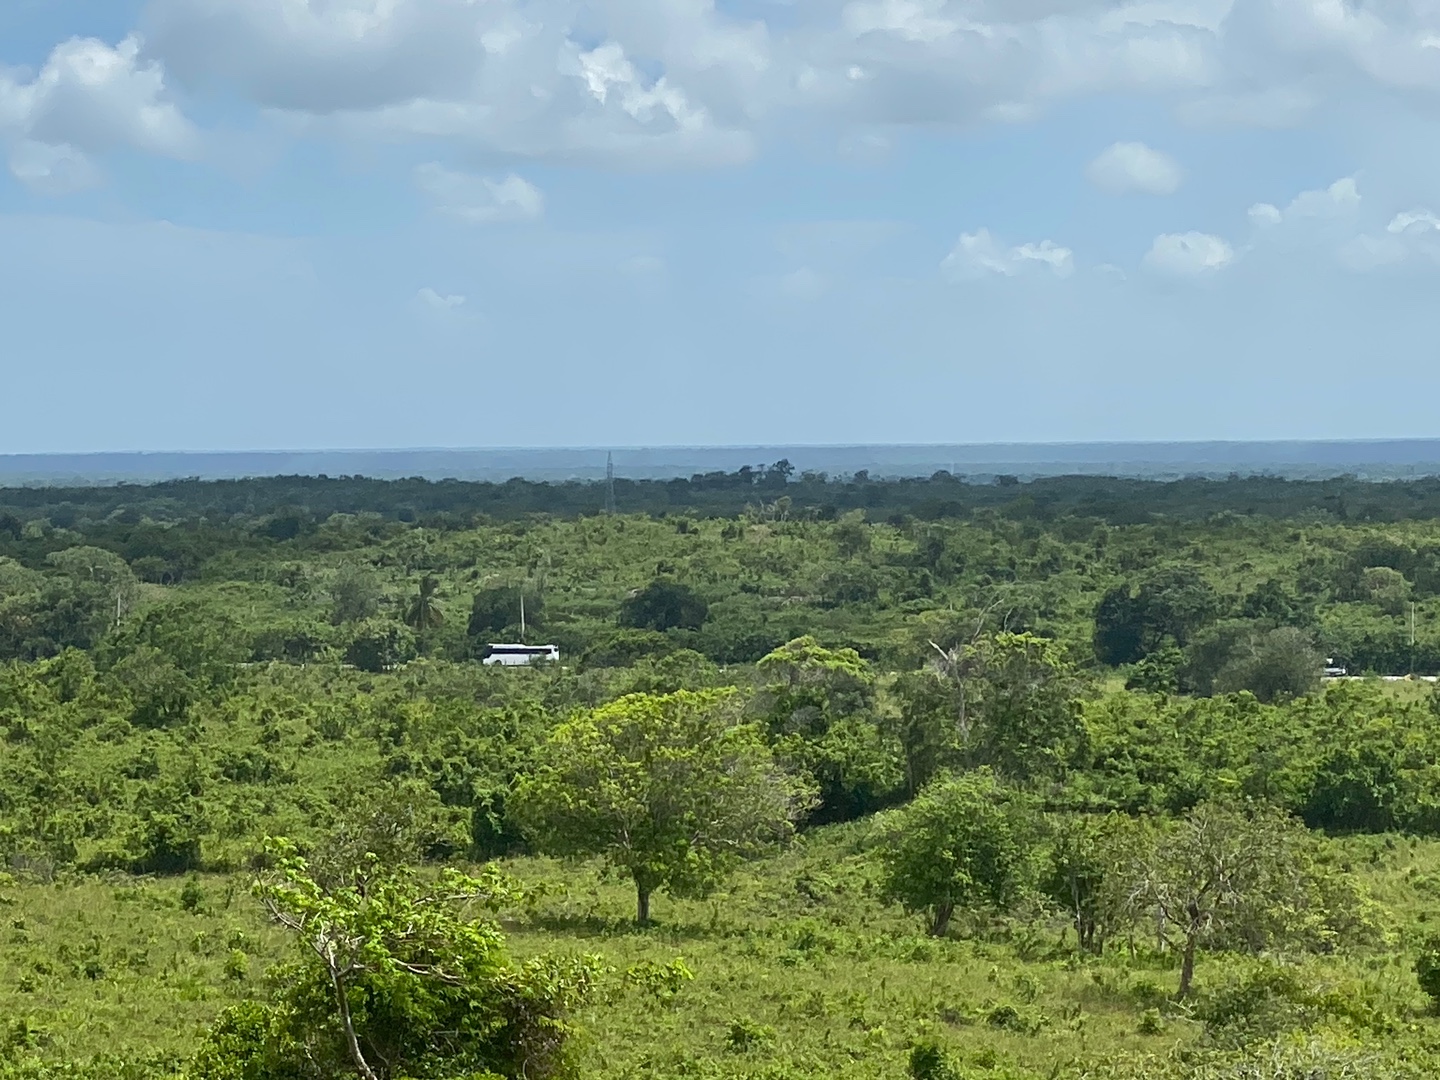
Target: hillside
x,y
939,798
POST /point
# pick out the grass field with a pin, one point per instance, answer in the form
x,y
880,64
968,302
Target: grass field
x,y
797,971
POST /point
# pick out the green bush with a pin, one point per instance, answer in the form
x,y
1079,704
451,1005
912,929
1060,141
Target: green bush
x,y
929,1060
1427,970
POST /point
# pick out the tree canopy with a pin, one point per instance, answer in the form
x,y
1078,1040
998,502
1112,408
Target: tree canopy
x,y
671,789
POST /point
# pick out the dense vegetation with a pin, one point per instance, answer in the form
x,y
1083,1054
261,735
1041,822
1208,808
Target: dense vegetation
x,y
848,778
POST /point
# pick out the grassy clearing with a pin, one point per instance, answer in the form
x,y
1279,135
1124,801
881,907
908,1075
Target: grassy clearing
x,y
798,971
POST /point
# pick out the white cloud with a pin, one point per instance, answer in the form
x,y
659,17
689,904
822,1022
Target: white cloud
x,y
1391,44
1132,167
480,200
693,83
980,254
91,97
1335,225
930,62
1414,222
1341,199
1410,235
437,301
1264,215
52,170
1191,254
621,82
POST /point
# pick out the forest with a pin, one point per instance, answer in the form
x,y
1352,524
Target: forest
x,y
943,779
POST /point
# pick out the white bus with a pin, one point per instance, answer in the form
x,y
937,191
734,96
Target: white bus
x,y
519,655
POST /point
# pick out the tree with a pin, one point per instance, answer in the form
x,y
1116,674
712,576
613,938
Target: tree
x,y
1168,606
1246,876
1387,589
818,708
495,611
397,977
1008,701
354,594
103,574
423,613
664,605
1235,655
851,535
670,788
1272,601
1086,857
1283,663
159,692
379,645
964,843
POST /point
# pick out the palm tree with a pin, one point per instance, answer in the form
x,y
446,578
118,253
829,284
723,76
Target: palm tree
x,y
423,613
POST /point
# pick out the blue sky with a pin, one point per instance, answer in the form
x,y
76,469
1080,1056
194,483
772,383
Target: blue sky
x,y
234,224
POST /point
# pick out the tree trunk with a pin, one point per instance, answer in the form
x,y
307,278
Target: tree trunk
x,y
1187,966
941,922
642,904
352,1041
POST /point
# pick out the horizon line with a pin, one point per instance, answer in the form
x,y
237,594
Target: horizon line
x,y
651,447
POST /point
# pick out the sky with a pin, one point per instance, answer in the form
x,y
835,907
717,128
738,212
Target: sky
x,y
303,224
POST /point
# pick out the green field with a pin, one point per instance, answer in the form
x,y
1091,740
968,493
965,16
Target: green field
x,y
1072,734
795,951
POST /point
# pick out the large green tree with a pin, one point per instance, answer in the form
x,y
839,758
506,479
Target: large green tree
x,y
818,706
671,789
664,605
966,842
1007,701
1165,605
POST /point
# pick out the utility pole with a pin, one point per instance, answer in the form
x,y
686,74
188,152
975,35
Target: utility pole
x,y
522,614
609,484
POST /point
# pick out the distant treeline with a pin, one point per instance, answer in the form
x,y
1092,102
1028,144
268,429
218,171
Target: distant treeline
x,y
289,504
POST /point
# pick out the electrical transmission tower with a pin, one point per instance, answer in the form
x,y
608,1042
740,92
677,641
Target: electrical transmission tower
x,y
610,483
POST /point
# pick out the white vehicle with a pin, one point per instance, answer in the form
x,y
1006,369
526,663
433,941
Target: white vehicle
x,y
1334,670
520,655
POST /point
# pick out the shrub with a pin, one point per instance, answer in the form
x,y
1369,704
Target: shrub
x,y
398,971
380,645
1427,970
745,1035
930,1061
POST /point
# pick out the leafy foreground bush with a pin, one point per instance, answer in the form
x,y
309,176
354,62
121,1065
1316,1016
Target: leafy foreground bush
x,y
397,978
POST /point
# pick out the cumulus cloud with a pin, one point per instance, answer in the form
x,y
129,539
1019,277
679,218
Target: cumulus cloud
x,y
1334,224
1339,199
694,83
636,83
1191,254
1410,236
90,97
52,170
432,300
1132,167
480,200
1390,44
980,254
